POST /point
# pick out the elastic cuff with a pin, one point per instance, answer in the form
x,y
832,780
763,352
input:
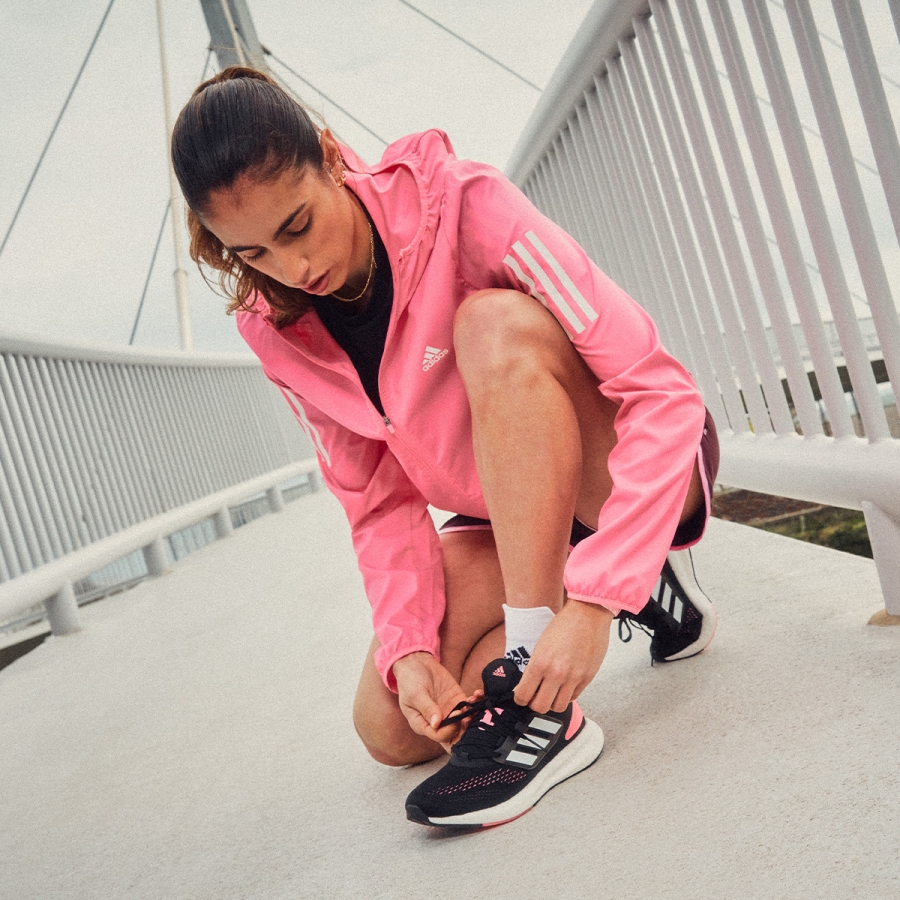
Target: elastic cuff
x,y
614,607
386,668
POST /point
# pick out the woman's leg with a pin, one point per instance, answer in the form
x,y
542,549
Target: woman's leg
x,y
543,434
471,636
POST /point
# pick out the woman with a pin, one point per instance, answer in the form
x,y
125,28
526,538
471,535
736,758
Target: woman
x,y
443,343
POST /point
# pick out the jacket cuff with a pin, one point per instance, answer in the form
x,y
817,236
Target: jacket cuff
x,y
614,606
385,659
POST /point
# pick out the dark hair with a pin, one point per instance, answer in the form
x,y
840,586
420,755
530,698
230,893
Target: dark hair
x,y
240,122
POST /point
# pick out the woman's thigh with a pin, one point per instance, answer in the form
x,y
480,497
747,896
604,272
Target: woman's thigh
x,y
471,636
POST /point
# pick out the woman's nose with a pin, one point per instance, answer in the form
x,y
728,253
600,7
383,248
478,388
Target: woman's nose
x,y
294,269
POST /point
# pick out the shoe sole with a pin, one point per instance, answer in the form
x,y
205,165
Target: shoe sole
x,y
683,566
583,750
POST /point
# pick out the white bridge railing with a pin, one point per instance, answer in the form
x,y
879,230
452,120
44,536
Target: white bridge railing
x,y
735,166
104,452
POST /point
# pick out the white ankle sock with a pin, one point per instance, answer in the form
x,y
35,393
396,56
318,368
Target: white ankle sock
x,y
523,628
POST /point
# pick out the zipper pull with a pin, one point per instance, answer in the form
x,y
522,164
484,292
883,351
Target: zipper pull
x,y
387,422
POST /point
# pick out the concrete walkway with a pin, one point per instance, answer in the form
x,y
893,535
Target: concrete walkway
x,y
194,741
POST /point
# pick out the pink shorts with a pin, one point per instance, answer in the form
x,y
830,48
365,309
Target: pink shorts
x,y
686,535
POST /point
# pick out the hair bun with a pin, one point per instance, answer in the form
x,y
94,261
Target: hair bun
x,y
233,73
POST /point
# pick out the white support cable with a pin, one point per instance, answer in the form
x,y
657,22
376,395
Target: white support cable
x,y
137,315
62,112
182,300
238,43
336,105
469,44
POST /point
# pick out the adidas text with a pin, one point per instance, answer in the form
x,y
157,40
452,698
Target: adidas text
x,y
432,355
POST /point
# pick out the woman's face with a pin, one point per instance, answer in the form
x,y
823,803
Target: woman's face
x,y
300,228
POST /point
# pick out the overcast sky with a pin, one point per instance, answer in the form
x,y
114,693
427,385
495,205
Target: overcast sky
x,y
76,262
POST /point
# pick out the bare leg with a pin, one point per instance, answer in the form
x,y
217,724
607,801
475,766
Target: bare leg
x,y
543,435
471,636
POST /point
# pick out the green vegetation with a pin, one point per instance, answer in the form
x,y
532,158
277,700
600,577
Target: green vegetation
x,y
842,529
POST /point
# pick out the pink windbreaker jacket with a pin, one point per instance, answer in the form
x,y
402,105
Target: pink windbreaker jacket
x,y
452,227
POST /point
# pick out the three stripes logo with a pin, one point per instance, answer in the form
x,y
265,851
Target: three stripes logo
x,y
534,265
527,749
666,597
432,355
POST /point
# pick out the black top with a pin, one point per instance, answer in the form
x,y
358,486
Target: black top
x,y
361,333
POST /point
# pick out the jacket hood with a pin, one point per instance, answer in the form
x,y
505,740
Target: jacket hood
x,y
403,194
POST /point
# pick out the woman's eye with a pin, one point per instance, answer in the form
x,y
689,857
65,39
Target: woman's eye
x,y
302,230
249,257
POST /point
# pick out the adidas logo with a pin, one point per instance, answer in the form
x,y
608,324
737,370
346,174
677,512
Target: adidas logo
x,y
532,746
669,600
432,355
519,656
499,672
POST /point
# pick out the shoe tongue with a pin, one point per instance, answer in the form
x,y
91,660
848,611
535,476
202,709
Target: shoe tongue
x,y
500,677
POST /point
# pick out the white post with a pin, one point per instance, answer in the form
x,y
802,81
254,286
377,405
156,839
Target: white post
x,y
181,288
157,558
62,611
275,498
222,523
884,534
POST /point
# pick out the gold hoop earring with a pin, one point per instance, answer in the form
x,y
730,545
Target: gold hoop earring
x,y
339,178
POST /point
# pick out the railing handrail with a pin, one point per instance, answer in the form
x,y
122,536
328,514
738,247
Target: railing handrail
x,y
24,591
110,353
667,171
602,28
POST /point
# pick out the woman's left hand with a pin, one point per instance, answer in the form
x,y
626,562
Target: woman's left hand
x,y
566,657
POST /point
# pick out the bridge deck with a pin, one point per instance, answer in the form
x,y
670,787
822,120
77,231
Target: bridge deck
x,y
194,741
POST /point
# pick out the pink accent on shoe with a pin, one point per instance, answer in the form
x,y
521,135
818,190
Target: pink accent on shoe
x,y
510,819
487,718
499,672
575,723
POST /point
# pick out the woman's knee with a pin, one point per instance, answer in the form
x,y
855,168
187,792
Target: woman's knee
x,y
496,332
380,724
396,747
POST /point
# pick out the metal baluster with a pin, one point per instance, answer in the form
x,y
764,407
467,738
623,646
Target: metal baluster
x,y
856,214
780,217
815,214
758,246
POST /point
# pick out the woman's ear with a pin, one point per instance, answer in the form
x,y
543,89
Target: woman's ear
x,y
330,149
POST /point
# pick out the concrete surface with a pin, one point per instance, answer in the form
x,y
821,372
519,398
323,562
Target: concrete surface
x,y
194,741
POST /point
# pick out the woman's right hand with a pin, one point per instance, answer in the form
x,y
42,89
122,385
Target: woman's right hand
x,y
428,693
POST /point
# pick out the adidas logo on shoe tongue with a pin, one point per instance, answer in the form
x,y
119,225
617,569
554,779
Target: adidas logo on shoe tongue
x,y
499,672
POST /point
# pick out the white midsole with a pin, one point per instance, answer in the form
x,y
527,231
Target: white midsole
x,y
683,566
580,753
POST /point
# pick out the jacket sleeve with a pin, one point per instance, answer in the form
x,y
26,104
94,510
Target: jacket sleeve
x,y
660,418
396,544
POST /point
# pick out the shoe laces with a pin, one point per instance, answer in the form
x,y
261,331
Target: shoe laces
x,y
491,720
625,632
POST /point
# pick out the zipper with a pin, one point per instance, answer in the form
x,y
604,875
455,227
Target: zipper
x,y
387,422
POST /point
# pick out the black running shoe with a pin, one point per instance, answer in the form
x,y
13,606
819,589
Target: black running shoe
x,y
679,617
506,760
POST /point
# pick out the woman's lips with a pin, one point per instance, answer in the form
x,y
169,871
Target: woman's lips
x,y
318,286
